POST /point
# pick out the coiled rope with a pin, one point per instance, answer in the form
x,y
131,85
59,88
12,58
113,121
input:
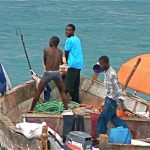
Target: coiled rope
x,y
53,107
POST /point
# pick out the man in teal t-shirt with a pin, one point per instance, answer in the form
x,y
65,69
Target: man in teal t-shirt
x,y
74,58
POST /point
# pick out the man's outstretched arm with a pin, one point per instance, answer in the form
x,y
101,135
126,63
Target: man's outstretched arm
x,y
95,76
66,55
119,92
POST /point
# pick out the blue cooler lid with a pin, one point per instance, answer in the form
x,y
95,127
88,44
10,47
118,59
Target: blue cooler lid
x,y
120,135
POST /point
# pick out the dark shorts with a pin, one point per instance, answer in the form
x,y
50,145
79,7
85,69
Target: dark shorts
x,y
51,75
72,83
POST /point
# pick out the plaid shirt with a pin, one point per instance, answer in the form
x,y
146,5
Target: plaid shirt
x,y
112,85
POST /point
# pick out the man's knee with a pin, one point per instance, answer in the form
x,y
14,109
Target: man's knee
x,y
68,91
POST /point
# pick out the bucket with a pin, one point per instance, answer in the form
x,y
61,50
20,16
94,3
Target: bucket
x,y
120,135
94,118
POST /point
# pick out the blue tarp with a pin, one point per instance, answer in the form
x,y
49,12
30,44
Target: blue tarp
x,y
47,94
2,81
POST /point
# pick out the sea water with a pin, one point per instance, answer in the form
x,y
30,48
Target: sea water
x,y
118,28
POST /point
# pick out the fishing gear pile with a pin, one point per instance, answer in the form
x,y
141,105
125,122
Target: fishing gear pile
x,y
54,107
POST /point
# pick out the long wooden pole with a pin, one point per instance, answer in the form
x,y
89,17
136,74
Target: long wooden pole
x,y
132,73
18,31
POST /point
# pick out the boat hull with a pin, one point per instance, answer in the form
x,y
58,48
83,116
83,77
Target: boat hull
x,y
10,109
13,139
19,100
140,128
124,147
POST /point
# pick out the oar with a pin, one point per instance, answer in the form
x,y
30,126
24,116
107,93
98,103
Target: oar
x,y
128,80
132,73
18,32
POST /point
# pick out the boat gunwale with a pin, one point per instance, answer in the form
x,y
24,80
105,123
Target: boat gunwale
x,y
45,115
125,92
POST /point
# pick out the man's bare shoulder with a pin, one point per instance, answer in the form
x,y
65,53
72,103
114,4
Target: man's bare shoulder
x,y
47,49
61,52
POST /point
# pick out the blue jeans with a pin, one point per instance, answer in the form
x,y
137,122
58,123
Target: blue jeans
x,y
108,114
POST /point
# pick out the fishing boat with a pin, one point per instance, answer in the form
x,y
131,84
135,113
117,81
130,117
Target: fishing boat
x,y
17,101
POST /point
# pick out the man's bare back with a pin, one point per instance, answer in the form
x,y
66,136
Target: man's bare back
x,y
52,58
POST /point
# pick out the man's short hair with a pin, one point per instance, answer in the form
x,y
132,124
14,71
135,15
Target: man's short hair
x,y
104,59
55,40
72,26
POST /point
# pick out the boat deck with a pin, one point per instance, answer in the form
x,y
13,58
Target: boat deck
x,y
138,126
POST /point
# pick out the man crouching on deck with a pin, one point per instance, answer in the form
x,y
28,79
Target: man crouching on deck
x,y
52,60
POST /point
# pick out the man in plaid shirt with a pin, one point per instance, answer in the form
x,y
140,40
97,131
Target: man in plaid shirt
x,y
113,96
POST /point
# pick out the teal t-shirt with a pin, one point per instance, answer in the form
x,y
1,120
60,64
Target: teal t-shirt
x,y
75,58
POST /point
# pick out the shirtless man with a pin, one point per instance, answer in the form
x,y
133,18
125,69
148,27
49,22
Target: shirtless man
x,y
52,60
